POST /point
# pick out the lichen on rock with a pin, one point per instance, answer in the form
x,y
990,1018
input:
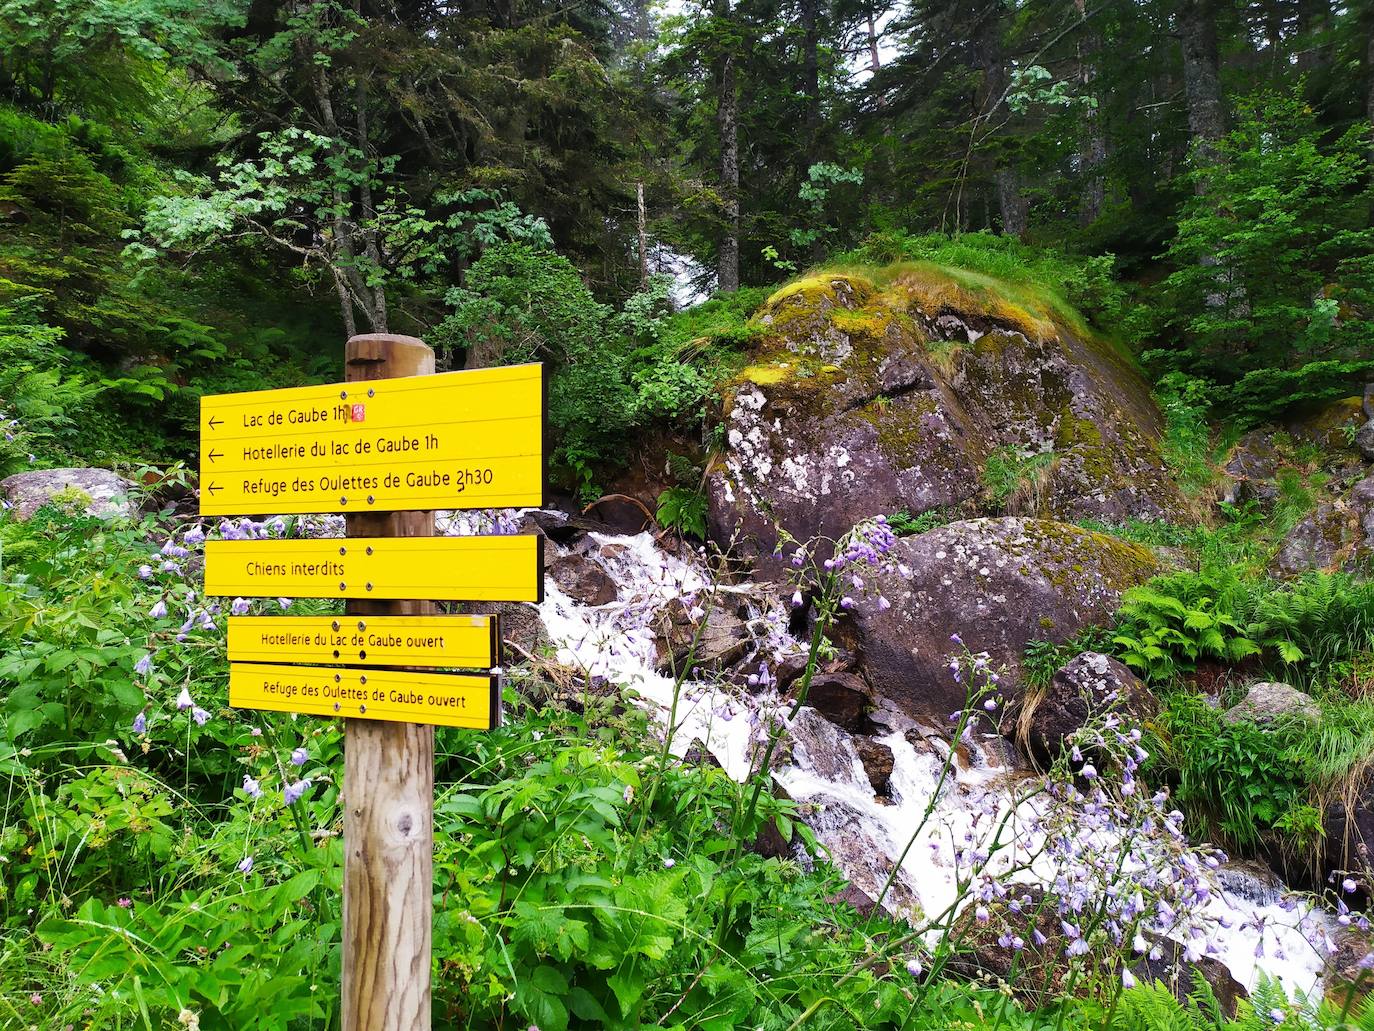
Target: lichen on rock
x,y
879,393
998,583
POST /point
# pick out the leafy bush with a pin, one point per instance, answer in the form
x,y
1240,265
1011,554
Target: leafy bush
x,y
41,400
1162,635
683,509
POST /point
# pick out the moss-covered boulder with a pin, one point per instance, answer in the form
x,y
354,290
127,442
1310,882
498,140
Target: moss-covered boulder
x,y
999,584
905,389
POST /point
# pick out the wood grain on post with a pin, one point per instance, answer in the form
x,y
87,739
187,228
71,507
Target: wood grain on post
x,y
388,789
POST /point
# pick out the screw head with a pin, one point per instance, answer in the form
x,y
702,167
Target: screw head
x,y
369,586
371,500
343,395
334,626
369,549
343,586
343,551
362,625
371,392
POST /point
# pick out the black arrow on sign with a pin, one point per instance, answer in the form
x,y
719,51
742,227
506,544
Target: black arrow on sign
x,y
212,488
215,422
215,454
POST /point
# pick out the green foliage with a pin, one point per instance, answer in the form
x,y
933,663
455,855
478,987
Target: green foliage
x,y
1067,283
41,401
1186,444
1167,625
1235,777
904,524
1271,290
723,321
683,509
611,372
1041,660
821,179
1010,471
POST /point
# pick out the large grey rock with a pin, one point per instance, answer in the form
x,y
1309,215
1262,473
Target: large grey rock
x,y
1361,504
1268,702
865,400
1318,541
999,583
1089,685
105,493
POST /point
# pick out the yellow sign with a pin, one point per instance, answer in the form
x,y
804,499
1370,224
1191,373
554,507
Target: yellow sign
x,y
438,568
461,642
446,699
455,440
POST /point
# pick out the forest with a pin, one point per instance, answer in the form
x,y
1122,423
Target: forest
x,y
957,603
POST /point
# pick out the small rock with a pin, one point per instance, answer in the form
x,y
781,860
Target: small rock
x,y
582,579
1252,468
1079,692
622,513
878,761
724,640
1268,701
855,898
520,623
1345,980
102,493
842,698
1179,976
1364,440
1367,407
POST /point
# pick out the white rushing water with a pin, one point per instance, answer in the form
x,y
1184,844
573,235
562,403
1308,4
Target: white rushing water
x,y
1256,930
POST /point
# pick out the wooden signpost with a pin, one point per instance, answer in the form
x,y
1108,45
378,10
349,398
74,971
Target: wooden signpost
x,y
450,642
440,568
453,441
386,447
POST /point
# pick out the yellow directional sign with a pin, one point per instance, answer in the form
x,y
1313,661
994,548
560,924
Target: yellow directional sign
x,y
460,642
455,440
446,699
437,568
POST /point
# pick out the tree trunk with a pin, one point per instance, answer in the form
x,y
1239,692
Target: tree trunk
x,y
988,55
727,127
811,76
1015,208
1197,25
642,228
1093,150
1369,96
873,62
1313,16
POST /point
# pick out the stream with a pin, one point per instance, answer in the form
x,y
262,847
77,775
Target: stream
x,y
1256,926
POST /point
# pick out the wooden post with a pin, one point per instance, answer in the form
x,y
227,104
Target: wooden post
x,y
388,789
